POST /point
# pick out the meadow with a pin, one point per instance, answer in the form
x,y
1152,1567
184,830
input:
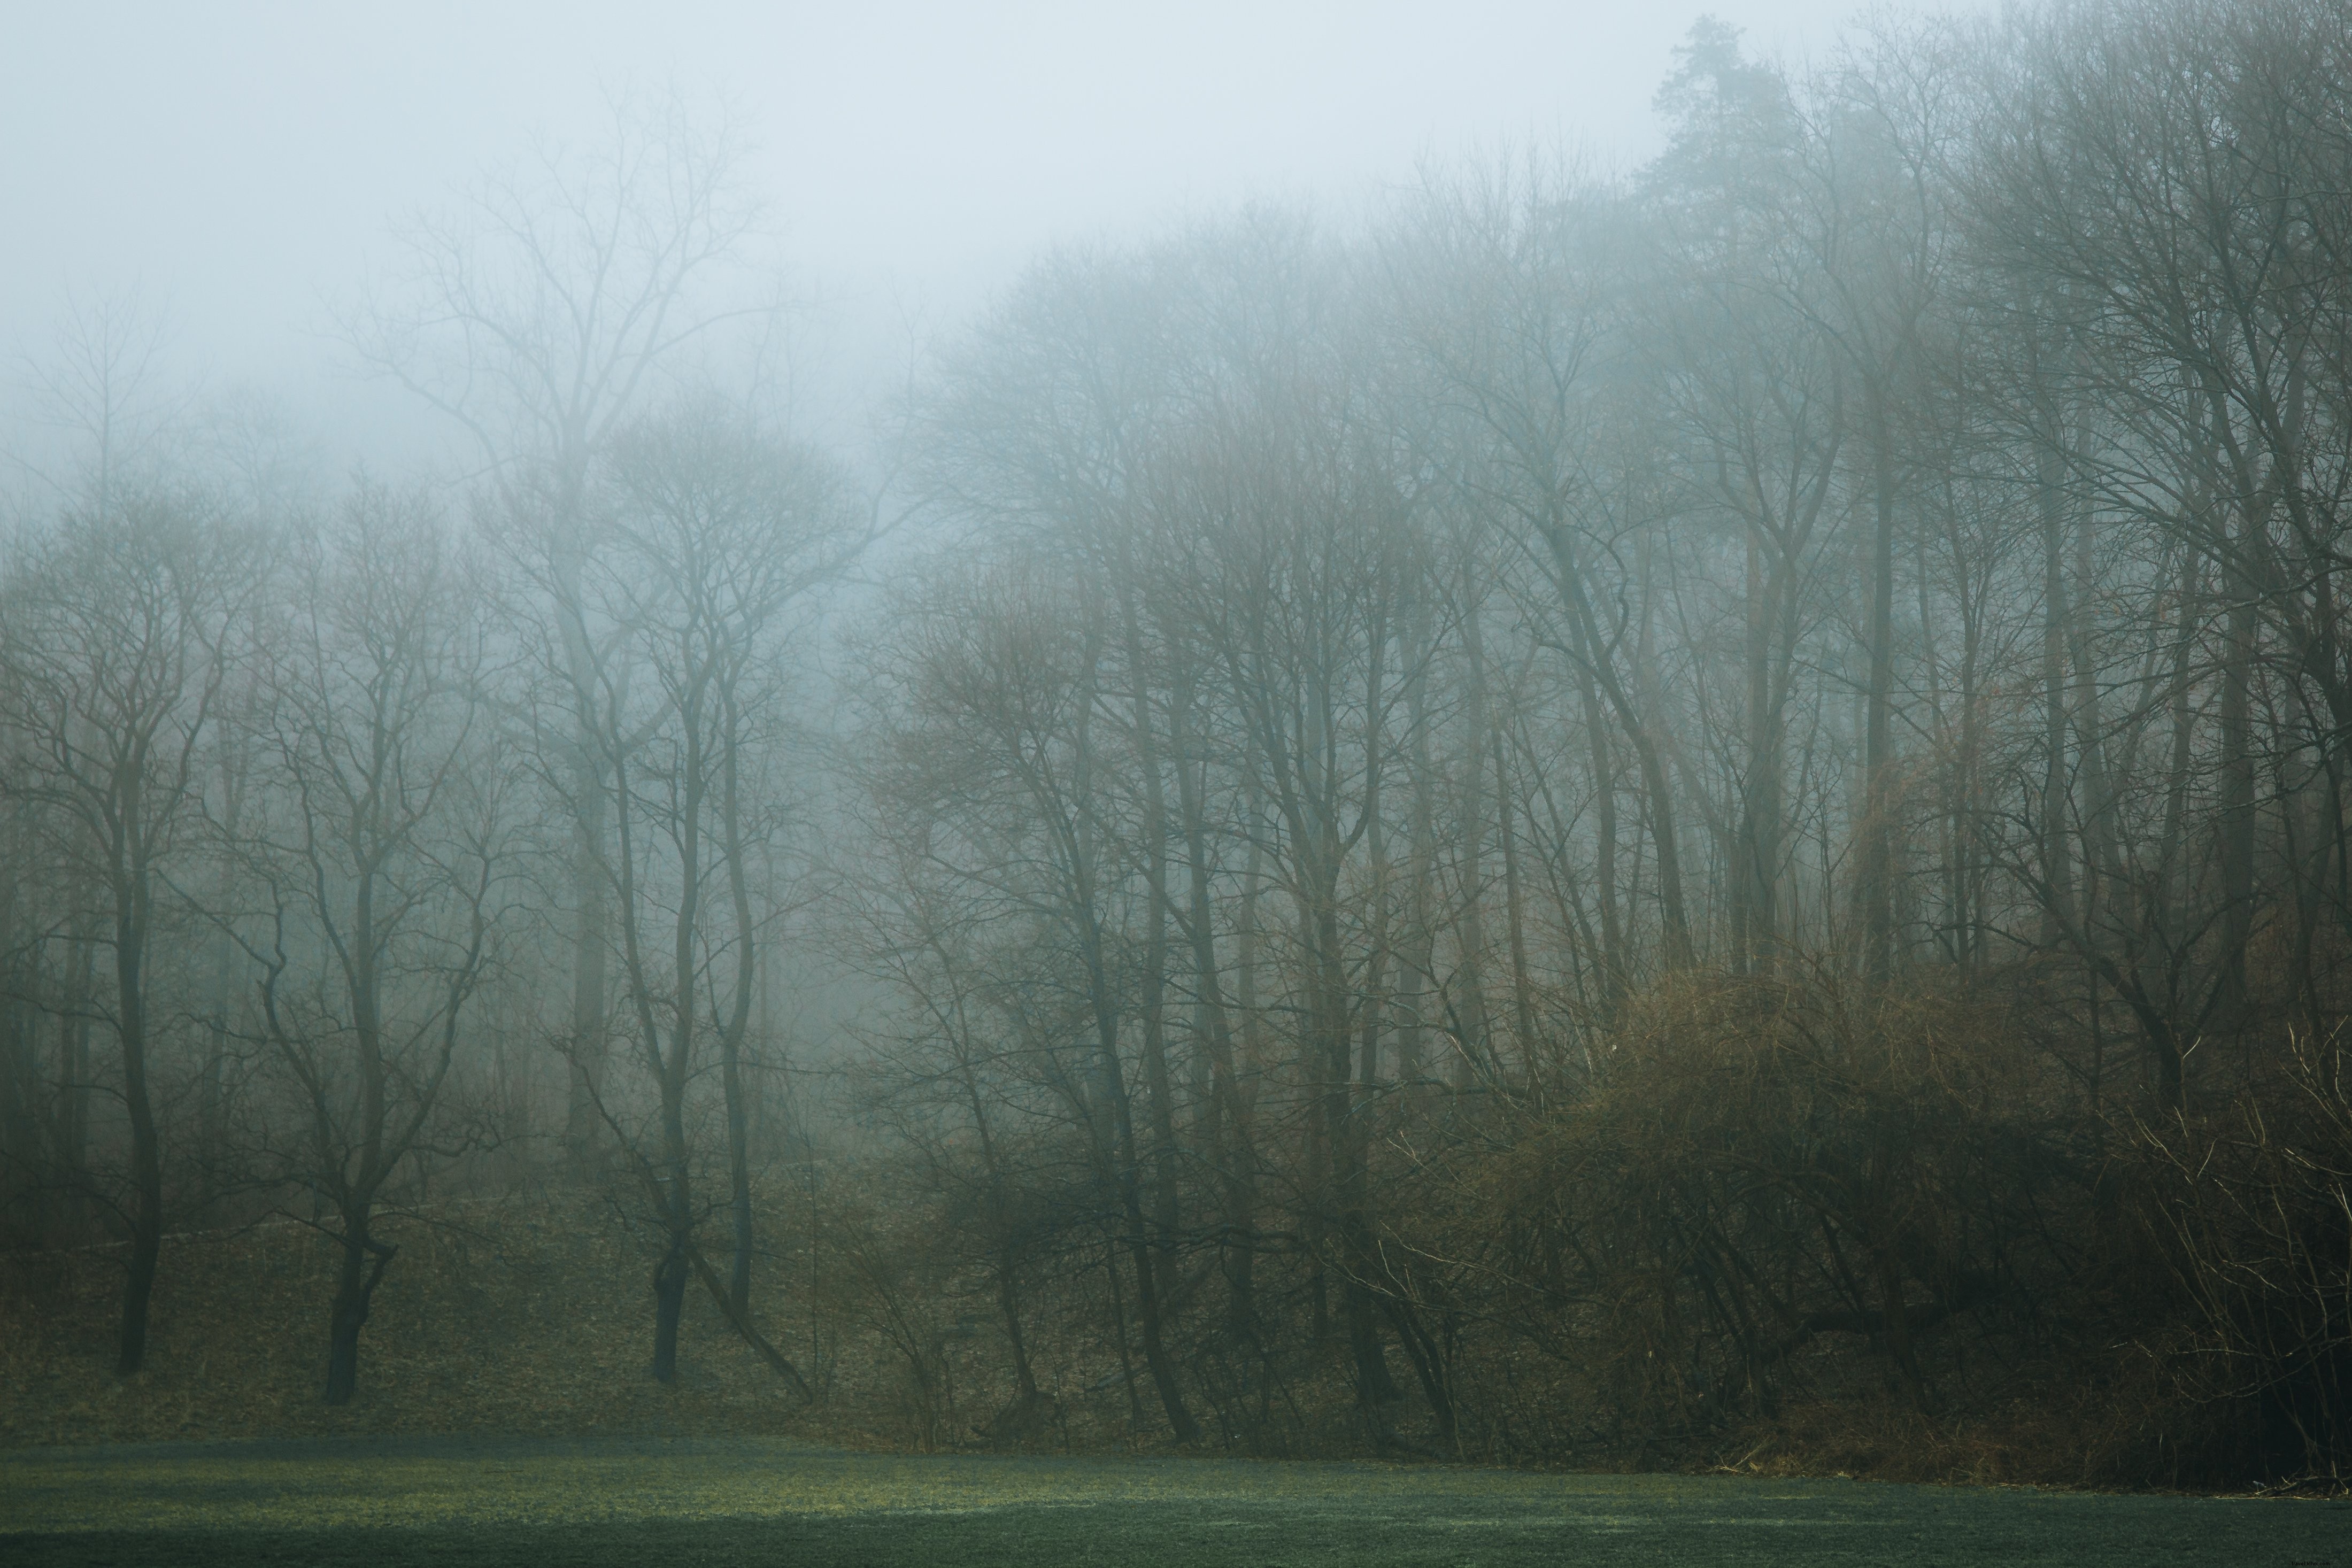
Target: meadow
x,y
385,1501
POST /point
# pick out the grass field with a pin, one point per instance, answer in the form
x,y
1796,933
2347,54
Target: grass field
x,y
386,1501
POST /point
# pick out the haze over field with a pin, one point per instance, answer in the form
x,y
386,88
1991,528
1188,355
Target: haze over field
x,y
1501,734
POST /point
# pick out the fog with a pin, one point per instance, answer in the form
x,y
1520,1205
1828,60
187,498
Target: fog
x,y
240,164
1514,735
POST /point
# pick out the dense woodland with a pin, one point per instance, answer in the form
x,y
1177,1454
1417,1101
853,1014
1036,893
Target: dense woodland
x,y
1582,816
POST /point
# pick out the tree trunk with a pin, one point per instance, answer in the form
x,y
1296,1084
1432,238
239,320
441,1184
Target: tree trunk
x,y
1614,975
736,1093
2237,794
1416,954
2057,862
1353,1090
1469,987
1755,878
1158,1087
1126,1156
669,1301
146,1153
1593,653
671,1273
1008,1300
1240,1273
591,934
1876,894
739,1174
73,1075
1236,1173
589,1041
1522,1012
359,1269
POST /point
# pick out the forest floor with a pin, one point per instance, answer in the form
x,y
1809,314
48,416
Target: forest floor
x,y
525,1320
521,1317
385,1501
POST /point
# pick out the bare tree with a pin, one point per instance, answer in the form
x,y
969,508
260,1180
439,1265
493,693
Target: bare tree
x,y
113,645
716,534
380,855
540,316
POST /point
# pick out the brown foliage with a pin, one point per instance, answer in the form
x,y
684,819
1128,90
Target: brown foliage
x,y
1797,1225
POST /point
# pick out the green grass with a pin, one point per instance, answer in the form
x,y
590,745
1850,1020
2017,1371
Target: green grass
x,y
389,1501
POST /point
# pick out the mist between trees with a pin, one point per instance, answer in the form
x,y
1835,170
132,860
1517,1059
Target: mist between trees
x,y
1609,815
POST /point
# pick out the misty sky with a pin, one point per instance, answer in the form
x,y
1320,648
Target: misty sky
x,y
242,160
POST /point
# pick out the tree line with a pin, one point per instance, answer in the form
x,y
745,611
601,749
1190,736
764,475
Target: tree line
x,y
1584,812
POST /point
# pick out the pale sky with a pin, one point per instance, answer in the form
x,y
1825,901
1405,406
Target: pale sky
x,y
242,160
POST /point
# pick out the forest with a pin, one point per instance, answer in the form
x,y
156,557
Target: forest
x,y
1605,816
